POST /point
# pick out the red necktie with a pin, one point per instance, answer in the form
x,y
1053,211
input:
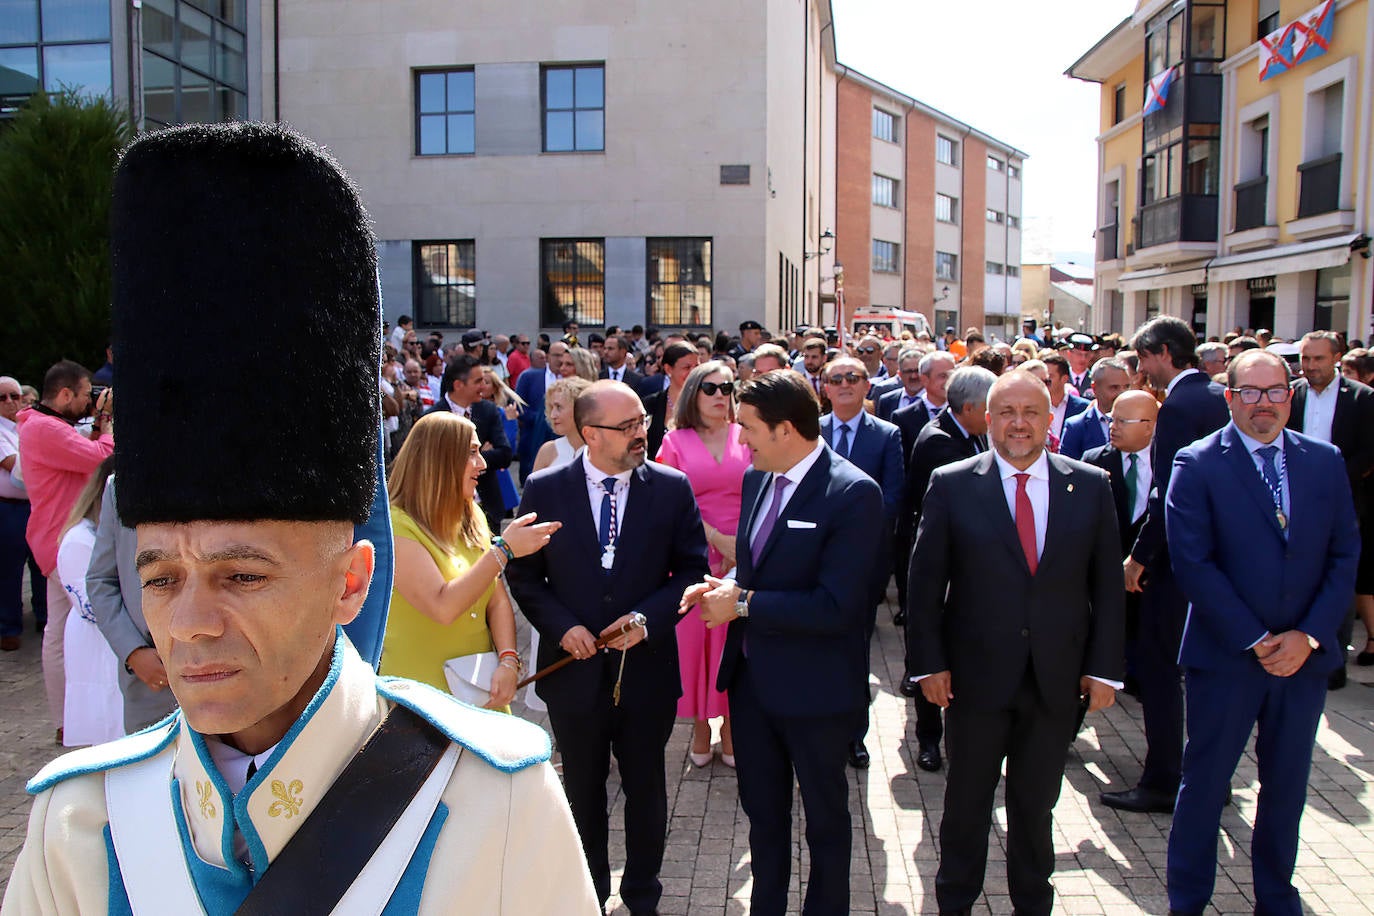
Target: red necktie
x,y
1025,522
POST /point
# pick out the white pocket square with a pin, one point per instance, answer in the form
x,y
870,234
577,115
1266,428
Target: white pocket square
x,y
798,523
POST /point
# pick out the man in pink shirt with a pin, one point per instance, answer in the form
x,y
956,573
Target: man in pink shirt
x,y
57,461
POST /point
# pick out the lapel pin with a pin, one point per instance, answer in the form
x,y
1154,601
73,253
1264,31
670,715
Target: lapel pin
x,y
1070,488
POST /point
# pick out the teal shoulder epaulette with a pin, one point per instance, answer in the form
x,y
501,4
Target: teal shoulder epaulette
x,y
506,742
100,757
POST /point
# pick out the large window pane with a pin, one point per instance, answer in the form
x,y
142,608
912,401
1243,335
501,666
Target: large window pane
x,y
159,27
590,134
159,88
573,281
574,108
558,88
460,133
589,89
196,102
432,135
679,275
76,20
18,21
445,123
460,91
83,67
195,39
233,62
445,283
431,92
558,131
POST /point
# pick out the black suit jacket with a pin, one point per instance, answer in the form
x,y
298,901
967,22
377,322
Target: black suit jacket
x,y
976,611
910,420
631,377
808,655
941,442
496,448
661,550
1110,460
1352,430
1194,409
656,406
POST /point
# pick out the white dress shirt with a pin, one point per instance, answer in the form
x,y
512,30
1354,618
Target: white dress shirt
x,y
794,475
1144,479
615,375
1058,413
1037,488
1319,411
596,493
457,408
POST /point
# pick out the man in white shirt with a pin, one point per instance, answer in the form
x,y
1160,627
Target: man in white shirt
x,y
14,516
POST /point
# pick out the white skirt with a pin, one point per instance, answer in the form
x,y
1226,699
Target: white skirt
x,y
94,710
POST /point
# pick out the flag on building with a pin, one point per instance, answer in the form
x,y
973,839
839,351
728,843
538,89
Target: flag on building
x,y
1276,52
1312,32
1157,91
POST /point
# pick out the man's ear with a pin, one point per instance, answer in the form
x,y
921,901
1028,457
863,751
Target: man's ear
x,y
361,559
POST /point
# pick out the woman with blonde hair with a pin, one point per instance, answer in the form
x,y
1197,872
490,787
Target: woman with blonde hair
x,y
558,410
580,362
93,710
448,601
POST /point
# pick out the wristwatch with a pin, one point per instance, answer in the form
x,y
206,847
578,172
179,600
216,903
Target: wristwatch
x,y
1312,643
742,603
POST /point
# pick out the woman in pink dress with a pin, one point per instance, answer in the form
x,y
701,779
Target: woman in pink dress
x,y
704,445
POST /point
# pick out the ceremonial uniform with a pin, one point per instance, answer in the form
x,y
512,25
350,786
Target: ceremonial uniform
x,y
501,812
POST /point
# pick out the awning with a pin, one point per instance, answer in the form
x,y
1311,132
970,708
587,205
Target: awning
x,y
1286,259
1136,281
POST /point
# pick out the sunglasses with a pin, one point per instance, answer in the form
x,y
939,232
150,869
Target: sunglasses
x,y
868,349
712,388
852,378
13,396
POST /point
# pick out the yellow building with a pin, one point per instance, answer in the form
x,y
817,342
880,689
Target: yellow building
x,y
1242,202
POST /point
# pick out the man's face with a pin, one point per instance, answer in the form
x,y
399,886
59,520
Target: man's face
x,y
870,352
1156,367
846,385
11,400
1018,418
1133,421
1057,380
678,371
597,347
413,373
813,358
764,364
572,330
974,418
765,444
625,447
243,614
468,389
1079,360
72,402
910,370
1319,361
1263,420
538,359
556,351
612,355
750,338
941,368
890,360
1108,387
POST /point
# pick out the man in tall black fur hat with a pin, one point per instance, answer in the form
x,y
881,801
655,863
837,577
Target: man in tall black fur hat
x,y
292,778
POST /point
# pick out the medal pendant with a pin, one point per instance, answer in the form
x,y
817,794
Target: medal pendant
x,y
608,557
1283,519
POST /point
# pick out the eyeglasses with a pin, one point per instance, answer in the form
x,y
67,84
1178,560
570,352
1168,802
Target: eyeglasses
x,y
1128,421
853,378
911,372
867,349
1251,395
711,388
13,396
628,428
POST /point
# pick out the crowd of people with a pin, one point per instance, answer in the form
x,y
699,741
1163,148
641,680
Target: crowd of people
x,y
697,527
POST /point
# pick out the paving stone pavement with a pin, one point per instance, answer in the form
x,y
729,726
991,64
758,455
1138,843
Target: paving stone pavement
x,y
1107,862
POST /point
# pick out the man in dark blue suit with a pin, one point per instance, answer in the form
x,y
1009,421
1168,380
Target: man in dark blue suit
x,y
906,387
795,659
874,447
1264,542
631,541
1088,430
534,429
1194,406
1065,406
462,395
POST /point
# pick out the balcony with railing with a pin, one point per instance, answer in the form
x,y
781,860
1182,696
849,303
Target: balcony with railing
x,y
1319,186
1181,218
1252,199
1107,249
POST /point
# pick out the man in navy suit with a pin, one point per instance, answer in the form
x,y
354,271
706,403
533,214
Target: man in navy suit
x,y
631,541
1066,406
874,447
462,395
795,660
614,366
534,429
1264,542
934,369
1194,406
1088,430
906,390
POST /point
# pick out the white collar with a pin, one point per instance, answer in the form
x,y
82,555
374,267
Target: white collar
x,y
1184,374
458,408
8,424
595,475
852,423
796,472
1253,445
1040,469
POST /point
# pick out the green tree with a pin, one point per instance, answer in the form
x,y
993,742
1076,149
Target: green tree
x,y
57,162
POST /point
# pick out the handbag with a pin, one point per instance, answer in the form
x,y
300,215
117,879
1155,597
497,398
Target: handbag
x,y
469,676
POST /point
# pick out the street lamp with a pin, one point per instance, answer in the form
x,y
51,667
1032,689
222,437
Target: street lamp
x,y
827,243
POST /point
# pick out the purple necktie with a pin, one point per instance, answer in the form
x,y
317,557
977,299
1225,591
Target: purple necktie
x,y
769,519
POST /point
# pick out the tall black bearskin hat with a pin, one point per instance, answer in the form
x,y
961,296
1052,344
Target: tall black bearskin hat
x,y
247,313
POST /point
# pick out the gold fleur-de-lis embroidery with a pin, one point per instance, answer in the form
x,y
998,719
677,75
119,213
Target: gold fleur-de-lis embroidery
x,y
288,798
206,793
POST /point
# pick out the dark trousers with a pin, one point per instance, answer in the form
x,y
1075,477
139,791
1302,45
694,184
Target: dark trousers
x,y
1163,612
930,725
14,551
769,749
38,592
637,736
1031,736
1223,709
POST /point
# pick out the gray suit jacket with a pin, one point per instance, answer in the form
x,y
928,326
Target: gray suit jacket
x,y
116,596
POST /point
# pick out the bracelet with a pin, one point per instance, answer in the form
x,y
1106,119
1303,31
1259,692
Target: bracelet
x,y
514,665
509,653
500,544
501,560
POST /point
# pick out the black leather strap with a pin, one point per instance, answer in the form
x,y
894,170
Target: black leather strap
x,y
325,855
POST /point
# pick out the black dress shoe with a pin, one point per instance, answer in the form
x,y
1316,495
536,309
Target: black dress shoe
x,y
929,758
858,755
1365,659
1145,801
1337,679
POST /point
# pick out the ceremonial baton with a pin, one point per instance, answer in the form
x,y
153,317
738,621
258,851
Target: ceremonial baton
x,y
636,620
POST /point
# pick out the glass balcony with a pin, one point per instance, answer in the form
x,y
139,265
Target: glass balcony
x,y
1319,185
1107,249
1251,202
1182,218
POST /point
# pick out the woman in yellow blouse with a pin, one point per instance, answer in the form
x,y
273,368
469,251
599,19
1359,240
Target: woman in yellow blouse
x,y
446,601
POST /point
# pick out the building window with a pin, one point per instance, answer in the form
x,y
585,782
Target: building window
x,y
445,106
885,257
884,191
1013,222
1013,171
572,281
884,125
1119,104
679,282
575,108
445,283
946,150
996,164
994,267
1013,270
945,207
195,63
996,216
68,45
946,265
1153,299
1266,17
